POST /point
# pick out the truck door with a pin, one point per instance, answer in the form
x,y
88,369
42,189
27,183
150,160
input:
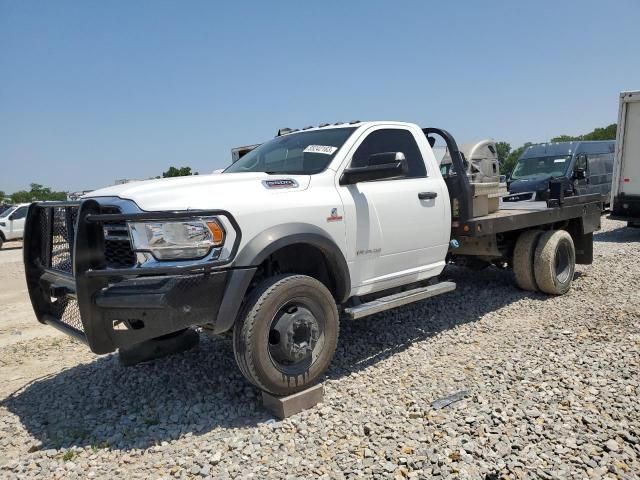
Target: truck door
x,y
397,229
597,175
16,224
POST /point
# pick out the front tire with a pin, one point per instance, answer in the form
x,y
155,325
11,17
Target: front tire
x,y
287,333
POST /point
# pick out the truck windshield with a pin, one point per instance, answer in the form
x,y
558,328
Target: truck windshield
x,y
303,153
555,166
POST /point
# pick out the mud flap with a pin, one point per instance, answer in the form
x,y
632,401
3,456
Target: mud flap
x,y
584,248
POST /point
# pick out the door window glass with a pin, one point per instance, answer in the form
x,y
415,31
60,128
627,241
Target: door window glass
x,y
391,140
20,213
581,162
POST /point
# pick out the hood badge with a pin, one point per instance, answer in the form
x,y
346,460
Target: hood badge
x,y
280,183
334,216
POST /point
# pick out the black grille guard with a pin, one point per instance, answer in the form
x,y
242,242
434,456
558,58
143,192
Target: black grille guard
x,y
65,297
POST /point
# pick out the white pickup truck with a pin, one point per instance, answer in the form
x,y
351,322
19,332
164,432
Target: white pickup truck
x,y
315,225
12,222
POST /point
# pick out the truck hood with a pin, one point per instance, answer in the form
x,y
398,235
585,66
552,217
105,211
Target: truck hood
x,y
538,183
532,184
219,191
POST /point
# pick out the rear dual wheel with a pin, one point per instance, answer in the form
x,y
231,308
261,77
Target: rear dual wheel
x,y
555,262
523,256
544,261
287,333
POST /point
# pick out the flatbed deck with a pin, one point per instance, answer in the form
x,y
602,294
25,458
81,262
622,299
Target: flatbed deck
x,y
522,215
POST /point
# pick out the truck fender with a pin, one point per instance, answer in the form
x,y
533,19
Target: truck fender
x,y
279,236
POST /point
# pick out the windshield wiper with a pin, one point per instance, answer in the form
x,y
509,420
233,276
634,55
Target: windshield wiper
x,y
294,172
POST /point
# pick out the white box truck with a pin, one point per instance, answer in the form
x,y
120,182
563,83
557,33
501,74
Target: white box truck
x,y
625,191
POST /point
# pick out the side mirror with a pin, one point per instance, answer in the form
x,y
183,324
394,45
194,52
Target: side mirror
x,y
579,174
11,217
380,166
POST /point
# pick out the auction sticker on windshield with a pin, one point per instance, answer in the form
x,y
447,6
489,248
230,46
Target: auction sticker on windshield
x,y
326,149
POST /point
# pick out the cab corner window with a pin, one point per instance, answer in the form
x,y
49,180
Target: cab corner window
x,y
391,140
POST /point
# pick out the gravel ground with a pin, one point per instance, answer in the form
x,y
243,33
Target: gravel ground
x,y
552,385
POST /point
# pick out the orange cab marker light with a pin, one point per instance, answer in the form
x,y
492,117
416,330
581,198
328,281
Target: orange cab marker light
x,y
465,228
216,231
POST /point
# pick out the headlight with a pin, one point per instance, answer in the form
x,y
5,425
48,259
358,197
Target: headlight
x,y
177,240
2,224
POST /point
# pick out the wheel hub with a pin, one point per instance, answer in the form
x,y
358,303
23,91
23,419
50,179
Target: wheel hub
x,y
294,335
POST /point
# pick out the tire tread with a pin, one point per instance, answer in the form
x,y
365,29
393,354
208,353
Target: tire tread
x,y
523,256
544,265
246,323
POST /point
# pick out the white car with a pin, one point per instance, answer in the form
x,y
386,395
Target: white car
x,y
12,223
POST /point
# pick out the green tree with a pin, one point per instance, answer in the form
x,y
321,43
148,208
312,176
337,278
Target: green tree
x,y
606,133
2,195
564,138
512,159
177,172
37,192
502,149
21,196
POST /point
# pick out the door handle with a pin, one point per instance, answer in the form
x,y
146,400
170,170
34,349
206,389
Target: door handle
x,y
427,195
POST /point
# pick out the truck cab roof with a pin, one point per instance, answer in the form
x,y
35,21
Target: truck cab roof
x,y
569,148
356,123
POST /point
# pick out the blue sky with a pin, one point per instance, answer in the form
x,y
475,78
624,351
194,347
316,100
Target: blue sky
x,y
94,91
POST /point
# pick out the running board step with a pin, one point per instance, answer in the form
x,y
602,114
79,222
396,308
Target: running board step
x,y
398,299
